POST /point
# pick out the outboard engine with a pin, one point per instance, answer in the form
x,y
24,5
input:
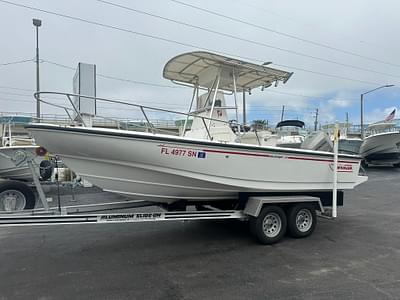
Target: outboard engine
x,y
318,141
46,169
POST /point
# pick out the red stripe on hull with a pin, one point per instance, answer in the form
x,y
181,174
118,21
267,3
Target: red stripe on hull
x,y
262,155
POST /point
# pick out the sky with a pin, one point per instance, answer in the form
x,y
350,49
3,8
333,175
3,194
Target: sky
x,y
336,49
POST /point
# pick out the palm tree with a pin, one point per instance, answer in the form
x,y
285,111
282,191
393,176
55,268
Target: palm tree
x,y
259,124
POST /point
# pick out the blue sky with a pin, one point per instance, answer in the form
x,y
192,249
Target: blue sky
x,y
324,77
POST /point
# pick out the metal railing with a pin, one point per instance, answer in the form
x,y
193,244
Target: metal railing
x,y
355,129
75,116
21,118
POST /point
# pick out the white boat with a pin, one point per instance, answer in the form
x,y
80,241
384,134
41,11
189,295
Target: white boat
x,y
9,167
382,146
208,162
289,133
14,152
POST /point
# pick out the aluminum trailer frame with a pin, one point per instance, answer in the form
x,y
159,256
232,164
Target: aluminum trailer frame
x,y
268,221
73,214
269,215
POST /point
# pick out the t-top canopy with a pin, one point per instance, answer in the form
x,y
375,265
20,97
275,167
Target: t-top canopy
x,y
201,68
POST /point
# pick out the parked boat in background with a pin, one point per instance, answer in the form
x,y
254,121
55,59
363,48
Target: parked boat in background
x,y
291,133
10,166
15,149
382,145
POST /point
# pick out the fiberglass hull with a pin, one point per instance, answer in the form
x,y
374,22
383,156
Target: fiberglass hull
x,y
167,168
381,148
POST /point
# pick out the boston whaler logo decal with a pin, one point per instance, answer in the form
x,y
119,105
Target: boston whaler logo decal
x,y
342,167
177,151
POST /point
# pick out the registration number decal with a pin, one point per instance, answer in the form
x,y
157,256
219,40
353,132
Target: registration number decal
x,y
172,151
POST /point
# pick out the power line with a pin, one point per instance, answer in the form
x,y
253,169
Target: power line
x,y
275,14
245,40
122,29
16,62
164,105
145,83
113,77
16,94
176,42
159,85
138,82
329,75
307,96
284,34
25,96
16,100
15,88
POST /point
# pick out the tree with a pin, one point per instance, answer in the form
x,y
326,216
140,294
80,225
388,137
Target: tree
x,y
259,124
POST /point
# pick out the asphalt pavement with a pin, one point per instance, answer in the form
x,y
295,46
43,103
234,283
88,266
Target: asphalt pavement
x,y
356,256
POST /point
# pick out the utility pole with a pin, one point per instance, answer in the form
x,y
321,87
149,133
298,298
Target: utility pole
x,y
283,112
362,117
347,121
37,23
244,107
316,120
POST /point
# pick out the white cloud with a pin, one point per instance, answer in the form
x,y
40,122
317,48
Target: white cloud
x,y
339,103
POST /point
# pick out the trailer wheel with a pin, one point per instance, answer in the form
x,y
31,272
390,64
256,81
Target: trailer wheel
x,y
270,225
302,220
16,196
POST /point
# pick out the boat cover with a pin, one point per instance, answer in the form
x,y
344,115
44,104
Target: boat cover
x,y
295,123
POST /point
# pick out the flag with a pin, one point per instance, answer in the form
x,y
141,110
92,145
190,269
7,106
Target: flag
x,y
390,117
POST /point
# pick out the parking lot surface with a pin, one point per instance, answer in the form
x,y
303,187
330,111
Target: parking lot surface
x,y
356,256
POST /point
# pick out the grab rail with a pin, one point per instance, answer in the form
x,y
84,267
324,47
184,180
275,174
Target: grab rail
x,y
142,108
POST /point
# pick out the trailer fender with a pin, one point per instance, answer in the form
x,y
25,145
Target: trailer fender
x,y
254,204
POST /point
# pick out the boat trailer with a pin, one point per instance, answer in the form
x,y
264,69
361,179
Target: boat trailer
x,y
269,216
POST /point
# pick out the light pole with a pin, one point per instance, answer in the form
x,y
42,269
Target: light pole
x,y
37,23
362,105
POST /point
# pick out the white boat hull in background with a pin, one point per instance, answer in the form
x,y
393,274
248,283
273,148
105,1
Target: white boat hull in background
x,y
165,168
381,148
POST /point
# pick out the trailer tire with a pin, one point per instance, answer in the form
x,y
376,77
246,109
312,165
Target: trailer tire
x,y
301,219
270,225
16,196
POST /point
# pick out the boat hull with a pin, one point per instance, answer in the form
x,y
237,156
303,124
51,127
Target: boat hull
x,y
165,168
381,148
